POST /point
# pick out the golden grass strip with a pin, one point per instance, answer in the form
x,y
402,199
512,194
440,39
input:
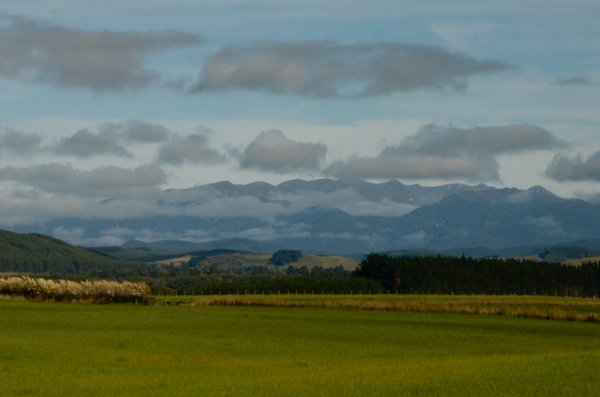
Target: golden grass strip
x,y
413,306
64,290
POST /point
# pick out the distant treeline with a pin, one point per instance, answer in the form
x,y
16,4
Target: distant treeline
x,y
281,285
451,275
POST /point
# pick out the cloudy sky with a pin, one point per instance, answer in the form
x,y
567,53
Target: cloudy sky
x,y
121,98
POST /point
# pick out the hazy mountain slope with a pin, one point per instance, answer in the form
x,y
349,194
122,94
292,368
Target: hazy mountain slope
x,y
392,190
343,216
240,244
500,218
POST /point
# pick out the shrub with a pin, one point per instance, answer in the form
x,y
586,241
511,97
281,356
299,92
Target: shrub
x,y
64,290
284,257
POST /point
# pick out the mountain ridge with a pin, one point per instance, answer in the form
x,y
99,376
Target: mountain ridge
x,y
341,217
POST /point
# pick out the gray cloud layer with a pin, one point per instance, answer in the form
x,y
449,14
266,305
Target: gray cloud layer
x,y
193,148
100,61
437,151
565,169
102,182
18,142
87,144
326,69
273,151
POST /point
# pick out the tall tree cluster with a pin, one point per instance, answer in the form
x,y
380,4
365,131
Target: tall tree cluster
x,y
491,276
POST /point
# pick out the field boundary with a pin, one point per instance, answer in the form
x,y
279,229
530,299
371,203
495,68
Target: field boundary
x,y
485,308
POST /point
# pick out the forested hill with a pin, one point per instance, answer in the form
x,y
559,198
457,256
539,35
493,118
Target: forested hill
x,y
38,253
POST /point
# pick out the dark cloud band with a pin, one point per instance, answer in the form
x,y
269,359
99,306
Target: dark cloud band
x,y
86,144
19,142
325,69
193,148
437,151
100,61
564,169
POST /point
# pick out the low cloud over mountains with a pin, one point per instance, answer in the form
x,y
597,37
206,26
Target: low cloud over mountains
x,y
105,196
330,216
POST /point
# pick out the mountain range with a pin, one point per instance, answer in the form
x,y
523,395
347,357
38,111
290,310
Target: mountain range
x,y
339,217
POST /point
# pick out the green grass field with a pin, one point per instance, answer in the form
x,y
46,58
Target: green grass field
x,y
59,349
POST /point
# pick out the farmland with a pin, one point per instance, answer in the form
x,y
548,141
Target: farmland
x,y
247,259
61,349
579,262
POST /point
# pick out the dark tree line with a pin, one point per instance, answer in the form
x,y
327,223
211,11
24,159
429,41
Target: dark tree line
x,y
284,257
319,272
289,285
491,276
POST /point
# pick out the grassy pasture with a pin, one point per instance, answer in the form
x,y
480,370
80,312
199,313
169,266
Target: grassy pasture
x,y
250,259
309,261
60,349
579,262
174,261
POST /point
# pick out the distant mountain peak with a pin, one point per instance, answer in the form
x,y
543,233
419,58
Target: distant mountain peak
x,y
540,190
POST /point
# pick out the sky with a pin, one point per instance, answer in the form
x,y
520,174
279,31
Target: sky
x,y
122,98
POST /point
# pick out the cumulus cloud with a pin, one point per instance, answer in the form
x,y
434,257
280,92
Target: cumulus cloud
x,y
19,142
100,61
273,151
563,168
438,151
86,144
326,69
193,148
136,132
101,182
107,140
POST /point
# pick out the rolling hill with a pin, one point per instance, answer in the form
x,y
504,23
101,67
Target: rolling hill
x,y
38,253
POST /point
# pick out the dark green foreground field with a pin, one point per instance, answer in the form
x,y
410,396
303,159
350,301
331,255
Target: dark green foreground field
x,y
58,349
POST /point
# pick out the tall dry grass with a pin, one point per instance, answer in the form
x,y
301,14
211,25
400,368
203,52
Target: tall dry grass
x,y
63,290
413,306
